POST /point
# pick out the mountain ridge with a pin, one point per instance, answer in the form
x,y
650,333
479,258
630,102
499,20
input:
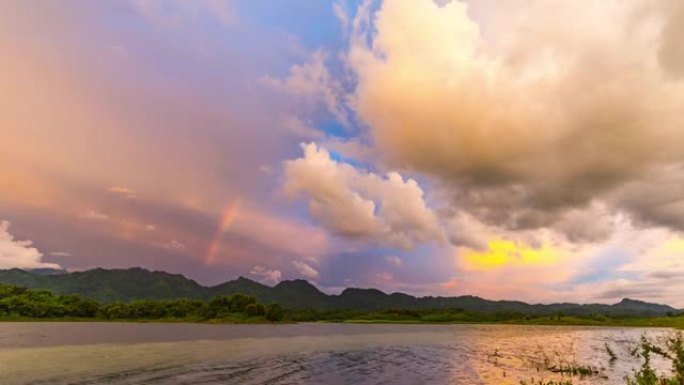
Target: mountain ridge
x,y
110,285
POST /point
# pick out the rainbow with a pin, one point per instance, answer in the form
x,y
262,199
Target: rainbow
x,y
227,218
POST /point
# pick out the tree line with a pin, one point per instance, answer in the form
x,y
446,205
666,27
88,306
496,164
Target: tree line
x,y
18,302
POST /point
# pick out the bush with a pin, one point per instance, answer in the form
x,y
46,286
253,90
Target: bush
x,y
239,302
255,309
274,313
222,305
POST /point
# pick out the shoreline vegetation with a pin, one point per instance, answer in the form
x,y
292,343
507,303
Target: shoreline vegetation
x,y
671,350
19,304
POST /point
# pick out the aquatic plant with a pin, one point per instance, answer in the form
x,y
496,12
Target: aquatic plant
x,y
562,363
611,353
574,370
674,351
546,382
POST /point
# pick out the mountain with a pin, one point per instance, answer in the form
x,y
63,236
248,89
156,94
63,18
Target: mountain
x,y
241,285
109,285
300,293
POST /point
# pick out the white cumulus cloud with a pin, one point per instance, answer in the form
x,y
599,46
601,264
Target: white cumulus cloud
x,y
359,204
306,270
19,254
265,275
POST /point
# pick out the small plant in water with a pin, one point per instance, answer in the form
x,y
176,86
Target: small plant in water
x,y
646,375
545,382
574,370
611,353
562,363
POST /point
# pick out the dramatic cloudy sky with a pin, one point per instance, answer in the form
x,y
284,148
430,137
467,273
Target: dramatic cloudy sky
x,y
522,149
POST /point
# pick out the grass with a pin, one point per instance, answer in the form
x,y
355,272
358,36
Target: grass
x,y
664,322
661,322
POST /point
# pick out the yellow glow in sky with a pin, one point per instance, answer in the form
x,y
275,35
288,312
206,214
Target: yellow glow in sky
x,y
502,253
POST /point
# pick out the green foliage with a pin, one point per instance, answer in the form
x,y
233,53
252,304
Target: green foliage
x,y
223,305
17,302
676,347
255,309
674,351
33,303
274,313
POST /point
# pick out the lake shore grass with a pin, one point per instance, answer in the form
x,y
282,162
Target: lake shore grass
x,y
238,319
659,322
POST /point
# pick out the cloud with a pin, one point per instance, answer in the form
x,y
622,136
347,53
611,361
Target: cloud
x,y
513,127
280,233
357,204
123,191
60,254
548,142
166,13
528,116
19,254
266,275
299,128
306,270
175,245
394,261
312,82
351,148
94,216
384,278
510,253
633,262
592,223
671,53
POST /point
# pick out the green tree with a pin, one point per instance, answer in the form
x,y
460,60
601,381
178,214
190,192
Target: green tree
x,y
274,313
255,309
239,302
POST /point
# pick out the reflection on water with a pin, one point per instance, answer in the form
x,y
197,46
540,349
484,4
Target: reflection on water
x,y
93,353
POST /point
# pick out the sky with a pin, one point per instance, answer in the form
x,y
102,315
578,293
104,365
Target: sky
x,y
526,149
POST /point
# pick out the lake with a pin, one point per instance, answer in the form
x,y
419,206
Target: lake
x,y
148,353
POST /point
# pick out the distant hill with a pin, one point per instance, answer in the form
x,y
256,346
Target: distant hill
x,y
109,285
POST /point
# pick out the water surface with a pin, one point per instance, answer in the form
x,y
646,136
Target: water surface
x,y
130,353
